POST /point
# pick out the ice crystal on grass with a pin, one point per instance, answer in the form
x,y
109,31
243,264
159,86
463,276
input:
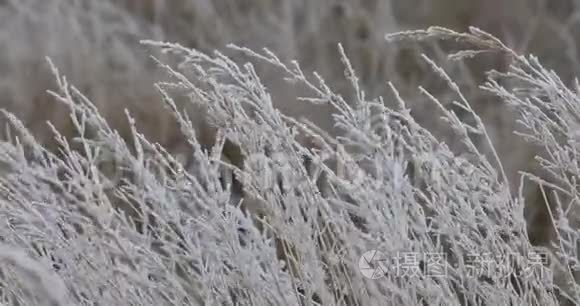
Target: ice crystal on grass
x,y
124,221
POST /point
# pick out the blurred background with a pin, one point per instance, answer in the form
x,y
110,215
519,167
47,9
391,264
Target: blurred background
x,y
96,45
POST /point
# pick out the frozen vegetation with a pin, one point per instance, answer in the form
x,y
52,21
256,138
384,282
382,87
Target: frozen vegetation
x,y
243,178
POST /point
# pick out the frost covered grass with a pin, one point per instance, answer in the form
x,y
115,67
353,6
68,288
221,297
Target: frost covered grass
x,y
112,220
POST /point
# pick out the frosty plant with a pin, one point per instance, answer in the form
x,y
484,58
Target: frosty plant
x,y
289,225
